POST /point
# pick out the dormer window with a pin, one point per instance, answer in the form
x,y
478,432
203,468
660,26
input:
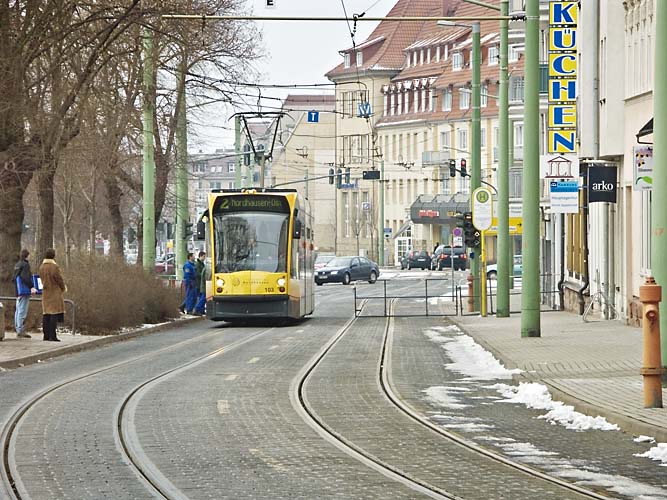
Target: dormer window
x,y
414,58
457,61
493,55
437,54
360,58
347,59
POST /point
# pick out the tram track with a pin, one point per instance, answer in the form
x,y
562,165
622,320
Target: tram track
x,y
157,484
391,471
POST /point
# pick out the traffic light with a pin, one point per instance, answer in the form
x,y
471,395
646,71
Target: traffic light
x,y
339,175
187,231
347,175
464,168
332,173
452,168
472,236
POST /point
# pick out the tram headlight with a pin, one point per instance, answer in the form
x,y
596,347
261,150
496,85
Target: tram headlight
x,y
219,283
281,282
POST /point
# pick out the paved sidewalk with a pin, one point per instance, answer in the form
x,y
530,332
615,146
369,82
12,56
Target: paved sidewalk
x,y
592,366
17,352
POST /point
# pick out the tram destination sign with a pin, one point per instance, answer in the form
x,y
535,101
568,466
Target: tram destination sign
x,y
251,203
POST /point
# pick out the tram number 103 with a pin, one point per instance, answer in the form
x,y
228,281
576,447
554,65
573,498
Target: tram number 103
x,y
269,289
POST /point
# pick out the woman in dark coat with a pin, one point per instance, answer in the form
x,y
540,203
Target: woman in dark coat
x,y
53,302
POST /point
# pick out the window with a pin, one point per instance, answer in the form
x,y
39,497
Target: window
x,y
360,58
446,183
230,185
516,89
414,58
518,135
482,135
464,98
231,167
345,209
347,59
423,100
493,55
428,55
447,100
462,139
484,97
386,105
457,61
446,140
437,54
421,56
512,53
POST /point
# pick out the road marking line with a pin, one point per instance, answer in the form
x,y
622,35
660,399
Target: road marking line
x,y
253,360
231,377
223,407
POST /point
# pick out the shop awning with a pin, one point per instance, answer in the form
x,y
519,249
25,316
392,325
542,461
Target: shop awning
x,y
438,209
645,130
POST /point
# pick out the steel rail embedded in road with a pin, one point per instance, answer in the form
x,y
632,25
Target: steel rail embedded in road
x,y
8,470
384,374
300,404
125,422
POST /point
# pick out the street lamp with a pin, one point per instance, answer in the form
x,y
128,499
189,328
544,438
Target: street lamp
x,y
476,149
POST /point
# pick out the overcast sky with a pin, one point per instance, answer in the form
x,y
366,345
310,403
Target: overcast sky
x,y
298,52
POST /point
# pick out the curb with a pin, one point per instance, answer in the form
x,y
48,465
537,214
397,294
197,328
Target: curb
x,y
92,344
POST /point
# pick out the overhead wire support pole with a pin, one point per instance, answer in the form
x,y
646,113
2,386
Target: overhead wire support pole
x,y
182,201
504,257
476,267
530,243
148,171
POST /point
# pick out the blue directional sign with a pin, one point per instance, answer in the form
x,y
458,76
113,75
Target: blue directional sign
x,y
313,116
364,110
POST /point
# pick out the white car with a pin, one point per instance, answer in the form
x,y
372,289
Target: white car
x,y
492,270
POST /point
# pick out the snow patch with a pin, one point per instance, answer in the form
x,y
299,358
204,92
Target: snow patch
x,y
536,396
442,396
658,453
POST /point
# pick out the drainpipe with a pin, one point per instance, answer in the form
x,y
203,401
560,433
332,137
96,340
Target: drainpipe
x,y
584,286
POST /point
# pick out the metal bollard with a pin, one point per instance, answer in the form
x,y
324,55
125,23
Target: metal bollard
x,y
471,293
2,321
650,296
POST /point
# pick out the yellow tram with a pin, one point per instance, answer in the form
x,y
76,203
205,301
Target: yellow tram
x,y
261,251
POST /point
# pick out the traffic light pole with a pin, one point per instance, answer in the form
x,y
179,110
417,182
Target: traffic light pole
x,y
381,242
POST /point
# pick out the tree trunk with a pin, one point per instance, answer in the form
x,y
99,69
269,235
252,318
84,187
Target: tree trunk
x,y
114,195
11,224
46,202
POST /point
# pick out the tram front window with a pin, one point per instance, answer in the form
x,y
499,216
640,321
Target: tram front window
x,y
251,241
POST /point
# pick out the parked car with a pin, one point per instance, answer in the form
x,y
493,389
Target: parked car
x,y
492,270
447,256
347,269
166,264
416,259
322,260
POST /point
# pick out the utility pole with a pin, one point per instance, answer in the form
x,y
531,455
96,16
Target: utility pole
x,y
182,202
476,150
237,149
659,203
148,153
504,257
530,291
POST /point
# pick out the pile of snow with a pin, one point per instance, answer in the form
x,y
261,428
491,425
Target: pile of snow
x,y
442,396
536,396
658,453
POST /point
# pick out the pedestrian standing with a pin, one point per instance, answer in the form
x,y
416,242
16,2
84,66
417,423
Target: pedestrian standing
x,y
189,279
24,289
200,272
53,289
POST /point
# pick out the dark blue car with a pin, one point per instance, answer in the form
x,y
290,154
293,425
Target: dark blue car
x,y
347,269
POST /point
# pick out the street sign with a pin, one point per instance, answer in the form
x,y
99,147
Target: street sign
x,y
457,241
364,110
369,175
313,116
564,197
457,231
643,168
365,206
482,208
